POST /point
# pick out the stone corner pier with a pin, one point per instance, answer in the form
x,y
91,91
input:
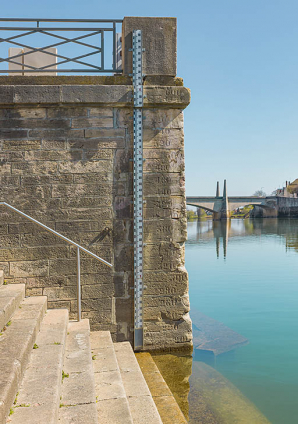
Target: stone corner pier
x,y
66,160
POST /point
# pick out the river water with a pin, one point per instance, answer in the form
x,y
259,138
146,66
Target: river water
x,y
244,273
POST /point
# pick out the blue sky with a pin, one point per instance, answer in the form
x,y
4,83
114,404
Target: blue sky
x,y
239,58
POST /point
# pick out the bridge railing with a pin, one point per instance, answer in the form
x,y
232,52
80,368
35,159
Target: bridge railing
x,y
84,44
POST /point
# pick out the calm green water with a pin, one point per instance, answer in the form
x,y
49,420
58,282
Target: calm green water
x,y
244,273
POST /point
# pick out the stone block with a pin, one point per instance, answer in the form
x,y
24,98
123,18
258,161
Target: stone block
x,y
60,293
166,138
30,94
159,41
101,111
164,184
174,97
99,94
6,94
11,156
5,169
163,257
87,202
85,167
55,134
66,112
104,133
166,283
162,160
11,134
29,268
48,155
163,118
165,307
17,112
34,167
98,122
96,144
165,207
165,230
96,291
77,190
35,123
124,310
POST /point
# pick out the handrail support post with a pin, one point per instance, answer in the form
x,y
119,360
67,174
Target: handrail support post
x,y
79,315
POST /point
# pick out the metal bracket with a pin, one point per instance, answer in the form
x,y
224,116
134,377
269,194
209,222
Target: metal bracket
x,y
138,188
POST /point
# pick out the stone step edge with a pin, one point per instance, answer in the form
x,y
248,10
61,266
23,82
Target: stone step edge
x,y
11,297
141,403
40,389
25,324
164,399
112,404
78,397
1,277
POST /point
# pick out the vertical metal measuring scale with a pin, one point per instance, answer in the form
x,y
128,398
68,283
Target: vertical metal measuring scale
x,y
137,73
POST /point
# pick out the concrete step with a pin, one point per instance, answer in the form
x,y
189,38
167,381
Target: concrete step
x,y
39,394
165,402
112,404
1,277
141,404
78,399
10,298
16,345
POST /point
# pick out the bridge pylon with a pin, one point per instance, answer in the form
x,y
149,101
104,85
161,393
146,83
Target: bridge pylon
x,y
222,211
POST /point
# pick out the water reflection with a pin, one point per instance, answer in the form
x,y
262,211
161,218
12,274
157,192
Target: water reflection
x,y
221,232
243,273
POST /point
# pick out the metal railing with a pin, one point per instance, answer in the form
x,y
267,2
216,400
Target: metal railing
x,y
79,248
97,28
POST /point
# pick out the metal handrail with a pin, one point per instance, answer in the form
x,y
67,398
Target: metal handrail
x,y
79,314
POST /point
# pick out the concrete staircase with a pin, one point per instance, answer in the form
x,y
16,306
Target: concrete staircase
x,y
53,371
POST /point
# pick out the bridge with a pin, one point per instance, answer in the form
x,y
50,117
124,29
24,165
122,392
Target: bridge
x,y
221,206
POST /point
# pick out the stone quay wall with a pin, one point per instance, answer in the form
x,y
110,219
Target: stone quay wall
x,y
66,148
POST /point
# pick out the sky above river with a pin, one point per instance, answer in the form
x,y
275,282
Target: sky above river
x,y
239,58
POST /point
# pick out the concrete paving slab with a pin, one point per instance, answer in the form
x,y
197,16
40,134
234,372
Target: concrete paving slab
x,y
78,414
15,348
101,340
112,404
40,388
78,398
141,404
10,300
114,411
104,360
143,410
109,385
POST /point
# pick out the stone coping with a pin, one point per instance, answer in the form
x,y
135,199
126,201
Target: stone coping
x,y
87,80
106,95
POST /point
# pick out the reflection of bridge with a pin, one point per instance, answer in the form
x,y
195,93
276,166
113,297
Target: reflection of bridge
x,y
221,206
223,231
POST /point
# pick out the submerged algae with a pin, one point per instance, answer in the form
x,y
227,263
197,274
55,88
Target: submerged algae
x,y
215,400
204,395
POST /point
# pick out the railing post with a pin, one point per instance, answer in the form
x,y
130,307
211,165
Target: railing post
x,y
79,284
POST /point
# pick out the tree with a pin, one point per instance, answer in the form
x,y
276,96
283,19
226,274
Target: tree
x,y
260,193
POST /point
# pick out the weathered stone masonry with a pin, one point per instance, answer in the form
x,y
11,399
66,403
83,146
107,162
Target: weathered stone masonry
x,y
65,159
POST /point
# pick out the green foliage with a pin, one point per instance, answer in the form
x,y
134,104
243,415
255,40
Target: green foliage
x,y
35,346
64,375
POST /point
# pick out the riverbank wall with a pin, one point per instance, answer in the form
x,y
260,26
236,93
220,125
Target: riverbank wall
x,y
66,160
